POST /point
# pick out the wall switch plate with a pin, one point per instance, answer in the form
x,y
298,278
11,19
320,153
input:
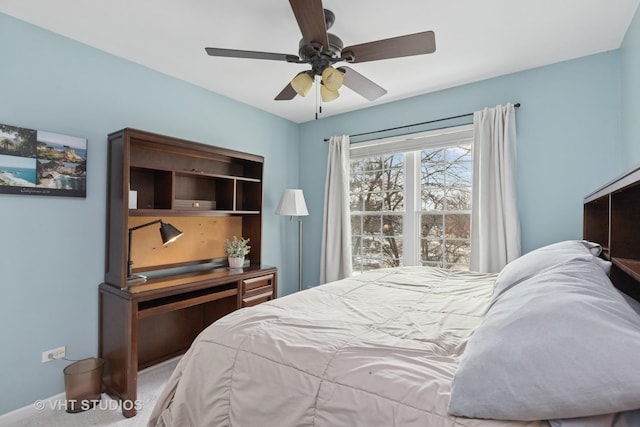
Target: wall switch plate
x,y
56,353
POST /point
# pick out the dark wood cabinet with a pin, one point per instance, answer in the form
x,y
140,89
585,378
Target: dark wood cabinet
x,y
611,218
210,194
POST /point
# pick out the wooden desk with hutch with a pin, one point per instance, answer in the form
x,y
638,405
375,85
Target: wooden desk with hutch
x,y
210,194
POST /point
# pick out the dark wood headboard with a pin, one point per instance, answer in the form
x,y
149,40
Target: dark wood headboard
x,y
612,218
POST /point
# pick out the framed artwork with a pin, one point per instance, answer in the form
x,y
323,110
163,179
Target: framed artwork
x,y
35,162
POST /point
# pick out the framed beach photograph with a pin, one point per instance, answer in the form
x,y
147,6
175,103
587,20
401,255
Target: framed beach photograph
x,y
42,163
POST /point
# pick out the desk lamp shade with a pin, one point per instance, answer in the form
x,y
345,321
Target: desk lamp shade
x,y
168,233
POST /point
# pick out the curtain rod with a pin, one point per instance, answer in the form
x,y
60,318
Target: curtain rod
x,y
516,105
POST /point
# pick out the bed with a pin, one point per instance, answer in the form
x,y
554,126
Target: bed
x,y
547,341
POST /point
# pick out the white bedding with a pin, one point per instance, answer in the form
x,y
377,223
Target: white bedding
x,y
378,349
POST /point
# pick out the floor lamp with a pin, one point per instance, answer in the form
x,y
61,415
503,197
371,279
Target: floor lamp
x,y
292,204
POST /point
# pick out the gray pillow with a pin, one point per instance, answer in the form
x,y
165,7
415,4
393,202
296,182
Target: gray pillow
x,y
623,419
605,420
563,343
546,257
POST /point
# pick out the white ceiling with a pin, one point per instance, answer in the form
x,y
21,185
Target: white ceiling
x,y
475,40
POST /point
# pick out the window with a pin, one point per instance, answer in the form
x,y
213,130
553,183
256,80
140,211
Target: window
x,y
377,207
445,212
410,200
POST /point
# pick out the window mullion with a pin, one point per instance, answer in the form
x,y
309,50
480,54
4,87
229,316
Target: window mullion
x,y
411,228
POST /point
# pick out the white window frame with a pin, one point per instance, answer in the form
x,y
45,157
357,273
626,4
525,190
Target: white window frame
x,y
412,145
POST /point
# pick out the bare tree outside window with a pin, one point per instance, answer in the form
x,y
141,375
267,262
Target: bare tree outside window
x,y
377,207
446,180
377,199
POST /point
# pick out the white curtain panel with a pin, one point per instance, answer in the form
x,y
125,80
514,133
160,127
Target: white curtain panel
x,y
495,226
335,257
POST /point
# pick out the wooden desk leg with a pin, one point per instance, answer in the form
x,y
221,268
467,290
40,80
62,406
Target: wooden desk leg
x,y
118,347
130,399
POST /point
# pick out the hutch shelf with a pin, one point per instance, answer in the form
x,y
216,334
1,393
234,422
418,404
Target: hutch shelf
x,y
611,218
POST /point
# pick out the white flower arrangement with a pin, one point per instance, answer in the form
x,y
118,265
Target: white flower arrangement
x,y
237,247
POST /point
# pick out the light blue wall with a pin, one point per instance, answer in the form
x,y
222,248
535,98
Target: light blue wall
x,y
52,248
568,142
630,93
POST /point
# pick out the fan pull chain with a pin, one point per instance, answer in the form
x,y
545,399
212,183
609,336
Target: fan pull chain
x,y
318,101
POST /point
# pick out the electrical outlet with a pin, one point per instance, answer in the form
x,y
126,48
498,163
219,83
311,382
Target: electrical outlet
x,y
56,353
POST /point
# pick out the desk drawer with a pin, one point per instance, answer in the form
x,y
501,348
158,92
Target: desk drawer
x,y
251,300
257,290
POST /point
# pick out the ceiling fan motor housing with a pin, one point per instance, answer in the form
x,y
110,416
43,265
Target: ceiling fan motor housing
x,y
319,58
322,50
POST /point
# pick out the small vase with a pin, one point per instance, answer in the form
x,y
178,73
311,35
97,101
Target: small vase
x,y
236,261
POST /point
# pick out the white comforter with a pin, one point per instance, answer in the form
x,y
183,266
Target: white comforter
x,y
378,349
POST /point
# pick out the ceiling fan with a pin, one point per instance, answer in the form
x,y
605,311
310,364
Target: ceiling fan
x,y
321,50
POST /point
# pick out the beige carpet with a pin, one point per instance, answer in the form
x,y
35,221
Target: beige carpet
x,y
150,384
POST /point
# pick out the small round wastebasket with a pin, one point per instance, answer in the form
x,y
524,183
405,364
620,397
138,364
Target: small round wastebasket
x,y
83,384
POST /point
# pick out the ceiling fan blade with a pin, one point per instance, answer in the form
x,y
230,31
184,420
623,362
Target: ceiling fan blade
x,y
361,85
310,17
396,47
233,53
287,93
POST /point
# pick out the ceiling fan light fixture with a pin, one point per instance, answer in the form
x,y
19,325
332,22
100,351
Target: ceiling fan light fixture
x,y
321,50
302,83
332,78
328,95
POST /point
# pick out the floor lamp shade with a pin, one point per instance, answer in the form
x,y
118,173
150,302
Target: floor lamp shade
x,y
292,203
